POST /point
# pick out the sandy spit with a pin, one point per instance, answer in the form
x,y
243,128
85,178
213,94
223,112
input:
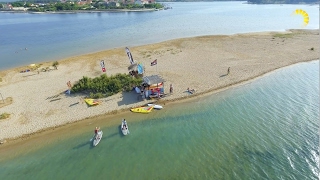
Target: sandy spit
x,y
200,63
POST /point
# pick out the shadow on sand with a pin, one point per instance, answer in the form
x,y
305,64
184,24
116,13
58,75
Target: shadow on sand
x,y
224,75
129,98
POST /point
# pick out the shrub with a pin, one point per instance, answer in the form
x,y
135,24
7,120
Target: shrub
x,y
55,64
280,35
96,95
104,86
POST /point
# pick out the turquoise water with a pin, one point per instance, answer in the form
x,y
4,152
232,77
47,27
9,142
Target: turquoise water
x,y
265,129
50,37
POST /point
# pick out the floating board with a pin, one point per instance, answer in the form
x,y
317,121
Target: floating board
x,y
155,106
142,109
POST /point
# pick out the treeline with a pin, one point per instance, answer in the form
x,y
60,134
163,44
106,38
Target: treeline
x,y
254,1
196,0
95,5
104,86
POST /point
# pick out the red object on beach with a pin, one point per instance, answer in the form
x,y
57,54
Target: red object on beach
x,y
103,69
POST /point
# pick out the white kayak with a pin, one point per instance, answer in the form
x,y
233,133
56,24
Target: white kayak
x,y
155,106
97,138
124,127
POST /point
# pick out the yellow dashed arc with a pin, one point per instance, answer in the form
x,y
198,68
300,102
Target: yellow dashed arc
x,y
304,15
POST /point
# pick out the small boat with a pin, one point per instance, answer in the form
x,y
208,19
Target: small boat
x,y
124,127
97,138
92,102
155,106
144,109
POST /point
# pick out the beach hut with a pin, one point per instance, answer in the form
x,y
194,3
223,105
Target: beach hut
x,y
136,69
153,86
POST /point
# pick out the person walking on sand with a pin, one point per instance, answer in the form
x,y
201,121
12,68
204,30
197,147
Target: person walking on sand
x,y
228,70
171,89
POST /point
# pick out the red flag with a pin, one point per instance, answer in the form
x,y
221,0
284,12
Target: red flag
x,y
154,63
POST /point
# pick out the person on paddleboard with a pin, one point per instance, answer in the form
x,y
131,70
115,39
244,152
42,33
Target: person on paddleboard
x,y
96,130
124,124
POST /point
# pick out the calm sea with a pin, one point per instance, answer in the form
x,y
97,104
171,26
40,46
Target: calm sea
x,y
32,38
266,129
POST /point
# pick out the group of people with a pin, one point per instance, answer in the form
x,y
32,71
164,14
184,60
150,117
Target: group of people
x,y
97,129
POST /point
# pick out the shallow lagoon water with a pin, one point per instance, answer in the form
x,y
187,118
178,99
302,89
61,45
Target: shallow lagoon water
x,y
265,129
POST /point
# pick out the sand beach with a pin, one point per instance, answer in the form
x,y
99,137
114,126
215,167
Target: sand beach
x,y
36,101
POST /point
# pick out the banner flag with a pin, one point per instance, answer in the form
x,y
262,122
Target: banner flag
x,y
129,55
154,63
102,66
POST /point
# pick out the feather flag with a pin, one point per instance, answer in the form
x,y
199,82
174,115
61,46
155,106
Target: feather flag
x,y
102,66
154,63
129,55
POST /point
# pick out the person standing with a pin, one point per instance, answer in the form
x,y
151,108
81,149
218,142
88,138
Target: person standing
x,y
171,89
228,70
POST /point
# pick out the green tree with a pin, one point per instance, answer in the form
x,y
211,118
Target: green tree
x,y
28,4
17,4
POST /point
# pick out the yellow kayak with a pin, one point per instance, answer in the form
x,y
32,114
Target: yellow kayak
x,y
142,109
92,102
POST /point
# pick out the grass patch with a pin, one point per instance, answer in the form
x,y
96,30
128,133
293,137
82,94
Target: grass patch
x,y
283,35
4,116
5,102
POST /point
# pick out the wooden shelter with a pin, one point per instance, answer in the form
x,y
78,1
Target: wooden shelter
x,y
153,86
